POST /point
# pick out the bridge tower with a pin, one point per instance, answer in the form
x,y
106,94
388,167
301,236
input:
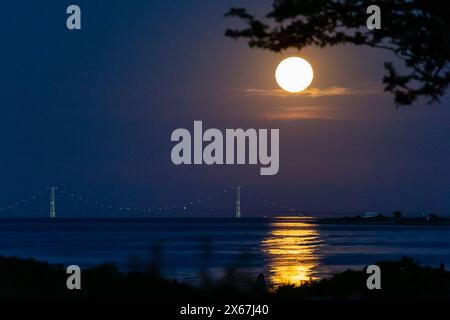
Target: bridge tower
x,y
238,202
52,203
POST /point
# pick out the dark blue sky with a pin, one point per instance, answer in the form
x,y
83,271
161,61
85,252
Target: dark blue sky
x,y
93,110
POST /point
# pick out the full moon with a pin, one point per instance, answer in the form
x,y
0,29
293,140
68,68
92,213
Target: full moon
x,y
294,74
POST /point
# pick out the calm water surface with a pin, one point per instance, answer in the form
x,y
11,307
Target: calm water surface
x,y
284,249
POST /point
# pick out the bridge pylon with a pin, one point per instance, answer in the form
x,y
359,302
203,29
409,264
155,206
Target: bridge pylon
x,y
238,203
52,203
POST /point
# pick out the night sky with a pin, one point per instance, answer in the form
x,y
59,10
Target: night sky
x,y
92,111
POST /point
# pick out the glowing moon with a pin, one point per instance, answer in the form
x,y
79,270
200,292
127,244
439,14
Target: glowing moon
x,y
294,74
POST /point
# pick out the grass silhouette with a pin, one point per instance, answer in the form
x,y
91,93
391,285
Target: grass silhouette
x,y
31,279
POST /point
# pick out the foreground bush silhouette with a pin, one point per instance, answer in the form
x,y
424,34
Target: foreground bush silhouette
x,y
404,279
30,279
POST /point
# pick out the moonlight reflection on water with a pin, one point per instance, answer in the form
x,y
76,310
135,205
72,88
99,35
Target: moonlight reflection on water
x,y
293,251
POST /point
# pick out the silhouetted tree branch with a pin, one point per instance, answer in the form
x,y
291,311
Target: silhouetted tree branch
x,y
416,31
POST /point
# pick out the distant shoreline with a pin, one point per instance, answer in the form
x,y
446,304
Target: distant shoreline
x,y
346,220
382,220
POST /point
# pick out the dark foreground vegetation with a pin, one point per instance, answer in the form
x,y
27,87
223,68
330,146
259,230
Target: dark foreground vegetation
x,y
30,279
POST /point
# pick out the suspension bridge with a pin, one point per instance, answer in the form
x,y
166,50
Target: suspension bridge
x,y
47,202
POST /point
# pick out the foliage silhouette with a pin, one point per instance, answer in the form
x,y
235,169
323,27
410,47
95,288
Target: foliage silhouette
x,y
415,31
397,214
30,279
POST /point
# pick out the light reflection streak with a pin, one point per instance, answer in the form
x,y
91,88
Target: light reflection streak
x,y
292,248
